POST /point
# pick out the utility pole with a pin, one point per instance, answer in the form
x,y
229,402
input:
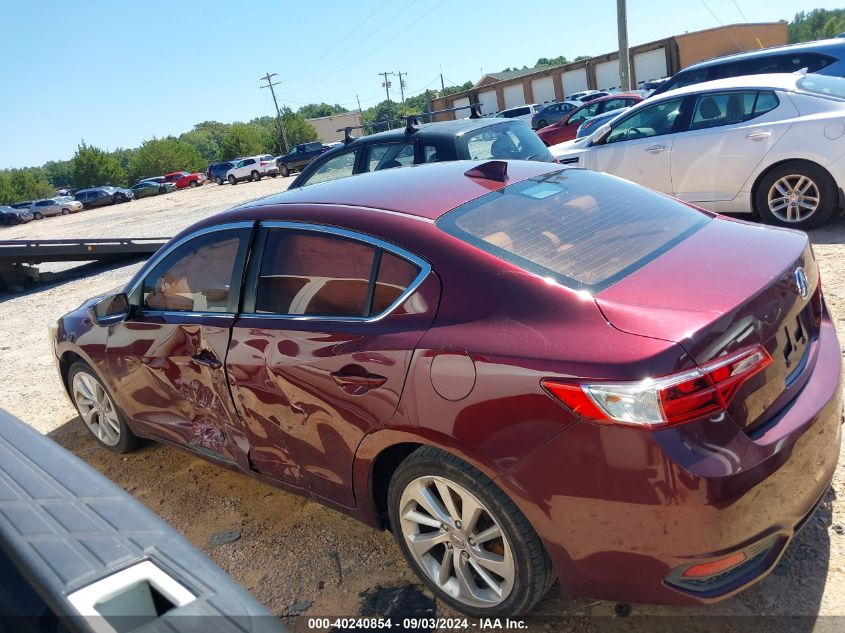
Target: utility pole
x,y
402,85
268,78
624,60
386,84
428,104
358,99
442,85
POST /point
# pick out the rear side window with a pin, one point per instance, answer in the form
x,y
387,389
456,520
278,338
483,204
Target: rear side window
x,y
811,61
728,108
339,166
309,273
583,229
506,141
389,155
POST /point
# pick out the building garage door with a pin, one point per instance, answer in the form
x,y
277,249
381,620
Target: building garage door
x,y
650,65
607,75
459,103
514,95
489,102
574,81
543,89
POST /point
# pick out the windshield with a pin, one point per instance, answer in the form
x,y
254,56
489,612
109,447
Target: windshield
x,y
823,85
583,229
509,141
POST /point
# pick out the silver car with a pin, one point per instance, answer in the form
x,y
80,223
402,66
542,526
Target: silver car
x,y
552,113
54,206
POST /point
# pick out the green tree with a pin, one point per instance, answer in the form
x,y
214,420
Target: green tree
x,y
59,172
244,139
160,156
297,129
816,25
93,166
28,183
316,110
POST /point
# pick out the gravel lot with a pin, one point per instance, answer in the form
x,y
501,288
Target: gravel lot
x,y
299,558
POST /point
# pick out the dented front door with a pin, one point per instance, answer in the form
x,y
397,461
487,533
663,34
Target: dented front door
x,y
168,358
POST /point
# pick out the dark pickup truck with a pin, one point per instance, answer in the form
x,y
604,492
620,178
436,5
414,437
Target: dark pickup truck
x,y
299,157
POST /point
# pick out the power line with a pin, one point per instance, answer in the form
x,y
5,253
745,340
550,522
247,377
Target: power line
x,y
736,4
349,33
719,22
377,47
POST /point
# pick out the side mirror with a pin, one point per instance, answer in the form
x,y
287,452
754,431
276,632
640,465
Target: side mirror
x,y
110,310
601,134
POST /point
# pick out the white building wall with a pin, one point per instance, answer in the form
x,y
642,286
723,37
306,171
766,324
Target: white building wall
x,y
543,89
514,95
650,65
574,81
607,75
489,102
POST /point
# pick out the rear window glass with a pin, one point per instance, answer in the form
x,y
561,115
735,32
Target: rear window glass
x,y
505,141
823,85
583,229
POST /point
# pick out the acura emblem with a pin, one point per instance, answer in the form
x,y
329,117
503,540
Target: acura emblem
x,y
801,282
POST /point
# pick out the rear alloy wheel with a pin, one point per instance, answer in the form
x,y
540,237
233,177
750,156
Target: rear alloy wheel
x,y
98,411
285,171
65,211
797,195
218,180
465,538
232,180
255,176
542,123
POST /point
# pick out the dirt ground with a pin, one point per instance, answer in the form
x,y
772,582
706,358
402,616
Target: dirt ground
x,y
302,560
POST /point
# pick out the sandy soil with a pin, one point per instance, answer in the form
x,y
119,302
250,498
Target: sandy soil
x,y
298,557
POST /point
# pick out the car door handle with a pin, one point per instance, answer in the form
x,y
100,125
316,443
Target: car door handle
x,y
357,382
207,358
758,136
656,149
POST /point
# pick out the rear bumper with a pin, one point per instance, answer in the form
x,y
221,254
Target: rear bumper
x,y
624,512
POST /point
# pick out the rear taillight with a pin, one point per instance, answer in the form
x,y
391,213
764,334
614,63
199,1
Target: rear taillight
x,y
660,402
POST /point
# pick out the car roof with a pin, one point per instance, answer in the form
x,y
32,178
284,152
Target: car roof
x,y
817,45
769,81
430,130
426,191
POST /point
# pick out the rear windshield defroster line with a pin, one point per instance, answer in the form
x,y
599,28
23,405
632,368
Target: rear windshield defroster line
x,y
584,229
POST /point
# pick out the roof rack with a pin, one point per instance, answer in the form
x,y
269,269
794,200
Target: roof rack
x,y
414,119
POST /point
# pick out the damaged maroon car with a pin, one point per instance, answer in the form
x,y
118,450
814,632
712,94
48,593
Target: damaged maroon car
x,y
526,372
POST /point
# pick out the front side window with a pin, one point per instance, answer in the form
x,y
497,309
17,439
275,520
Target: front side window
x,y
615,104
196,277
339,166
685,78
317,274
429,154
577,227
650,121
507,141
389,155
584,113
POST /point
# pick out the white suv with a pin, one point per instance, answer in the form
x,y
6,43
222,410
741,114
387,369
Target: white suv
x,y
524,112
252,168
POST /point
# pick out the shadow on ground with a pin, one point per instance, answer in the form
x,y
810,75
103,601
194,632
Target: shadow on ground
x,y
302,560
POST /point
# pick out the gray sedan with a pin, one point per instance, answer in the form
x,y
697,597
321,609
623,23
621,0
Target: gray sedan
x,y
54,206
553,113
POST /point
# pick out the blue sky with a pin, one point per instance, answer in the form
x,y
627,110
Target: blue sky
x,y
116,73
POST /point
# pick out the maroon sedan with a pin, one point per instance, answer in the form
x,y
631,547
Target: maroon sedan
x,y
567,127
524,371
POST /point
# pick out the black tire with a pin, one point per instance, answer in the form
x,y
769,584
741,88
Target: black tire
x,y
232,180
127,441
65,211
218,180
828,195
255,176
193,184
284,171
534,574
37,215
542,123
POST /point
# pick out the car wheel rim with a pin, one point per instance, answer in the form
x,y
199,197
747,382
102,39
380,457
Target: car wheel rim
x,y
96,408
457,541
793,198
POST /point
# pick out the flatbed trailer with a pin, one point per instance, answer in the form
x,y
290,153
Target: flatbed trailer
x,y
19,258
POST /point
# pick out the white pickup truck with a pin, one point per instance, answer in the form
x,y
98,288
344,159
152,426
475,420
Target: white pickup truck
x,y
252,168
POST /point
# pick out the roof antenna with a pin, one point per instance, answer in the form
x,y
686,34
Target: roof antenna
x,y
491,170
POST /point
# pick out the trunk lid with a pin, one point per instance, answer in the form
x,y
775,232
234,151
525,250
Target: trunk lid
x,y
729,285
